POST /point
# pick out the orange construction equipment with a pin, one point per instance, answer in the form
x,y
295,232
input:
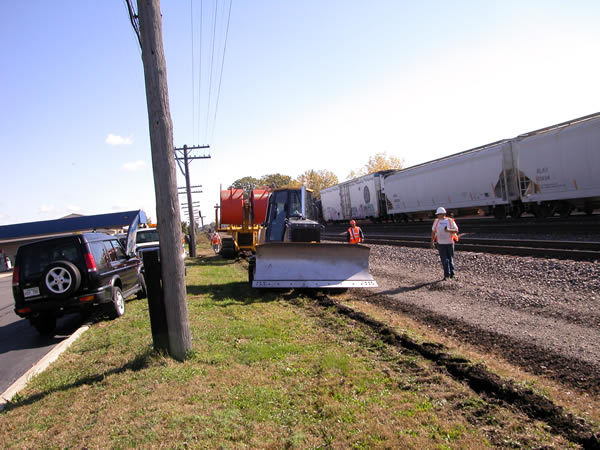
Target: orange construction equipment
x,y
240,219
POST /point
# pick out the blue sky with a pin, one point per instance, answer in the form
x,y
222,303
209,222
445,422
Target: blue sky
x,y
306,85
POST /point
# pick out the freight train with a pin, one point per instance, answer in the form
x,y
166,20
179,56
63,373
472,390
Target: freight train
x,y
554,170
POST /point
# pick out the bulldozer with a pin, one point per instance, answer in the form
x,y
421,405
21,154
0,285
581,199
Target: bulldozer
x,y
289,252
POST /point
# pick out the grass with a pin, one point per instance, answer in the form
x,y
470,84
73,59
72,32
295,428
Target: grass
x,y
267,370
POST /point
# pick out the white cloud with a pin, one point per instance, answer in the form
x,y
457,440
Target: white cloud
x,y
114,139
44,209
73,208
132,166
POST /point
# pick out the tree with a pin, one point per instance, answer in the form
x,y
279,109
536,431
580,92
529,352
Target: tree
x,y
378,161
276,180
317,180
245,183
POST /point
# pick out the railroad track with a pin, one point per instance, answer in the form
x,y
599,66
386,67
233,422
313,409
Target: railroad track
x,y
575,250
576,225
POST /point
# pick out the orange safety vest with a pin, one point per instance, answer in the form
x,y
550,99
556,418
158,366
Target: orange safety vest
x,y
452,224
215,239
354,235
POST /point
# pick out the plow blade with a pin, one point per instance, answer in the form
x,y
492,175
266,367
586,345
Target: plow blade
x,y
312,265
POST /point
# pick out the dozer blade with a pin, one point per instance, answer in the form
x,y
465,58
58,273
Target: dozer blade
x,y
312,265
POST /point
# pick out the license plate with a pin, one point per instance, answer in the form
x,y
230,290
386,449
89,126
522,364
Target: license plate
x,y
30,292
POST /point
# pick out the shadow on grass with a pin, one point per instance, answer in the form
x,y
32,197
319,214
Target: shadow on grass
x,y
213,260
235,293
138,363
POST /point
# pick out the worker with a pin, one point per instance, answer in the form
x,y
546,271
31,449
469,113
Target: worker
x,y
445,232
215,240
354,235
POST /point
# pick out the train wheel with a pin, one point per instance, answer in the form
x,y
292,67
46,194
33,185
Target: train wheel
x,y
516,211
500,212
542,211
565,210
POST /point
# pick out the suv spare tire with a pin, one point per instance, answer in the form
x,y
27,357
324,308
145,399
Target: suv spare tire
x,y
60,279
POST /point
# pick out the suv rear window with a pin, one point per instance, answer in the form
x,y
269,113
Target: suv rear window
x,y
34,258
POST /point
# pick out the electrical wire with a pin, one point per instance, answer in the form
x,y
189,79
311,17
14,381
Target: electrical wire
x,y
212,57
134,19
221,74
193,77
200,70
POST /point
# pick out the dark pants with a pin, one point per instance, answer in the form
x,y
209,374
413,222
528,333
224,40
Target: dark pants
x,y
447,257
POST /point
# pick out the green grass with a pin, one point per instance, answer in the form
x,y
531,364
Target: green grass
x,y
266,370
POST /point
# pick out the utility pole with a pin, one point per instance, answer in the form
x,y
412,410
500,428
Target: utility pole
x,y
186,173
165,179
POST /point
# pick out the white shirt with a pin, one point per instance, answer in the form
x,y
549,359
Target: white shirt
x,y
443,236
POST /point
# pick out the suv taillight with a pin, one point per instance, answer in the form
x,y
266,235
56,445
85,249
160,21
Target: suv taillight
x,y
89,260
15,277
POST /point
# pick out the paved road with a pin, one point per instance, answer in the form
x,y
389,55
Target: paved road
x,y
21,347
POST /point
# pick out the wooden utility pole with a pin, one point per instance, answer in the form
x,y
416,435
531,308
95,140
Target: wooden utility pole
x,y
186,173
165,180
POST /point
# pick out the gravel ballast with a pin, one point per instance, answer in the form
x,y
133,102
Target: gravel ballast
x,y
541,314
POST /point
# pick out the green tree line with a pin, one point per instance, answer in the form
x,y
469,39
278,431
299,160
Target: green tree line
x,y
317,179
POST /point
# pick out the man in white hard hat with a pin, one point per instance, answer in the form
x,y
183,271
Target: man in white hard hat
x,y
445,232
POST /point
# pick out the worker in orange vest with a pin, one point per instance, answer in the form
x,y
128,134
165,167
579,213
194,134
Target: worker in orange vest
x,y
354,235
216,242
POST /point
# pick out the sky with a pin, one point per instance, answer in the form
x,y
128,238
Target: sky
x,y
312,84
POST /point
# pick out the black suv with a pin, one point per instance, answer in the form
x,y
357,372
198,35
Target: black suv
x,y
74,273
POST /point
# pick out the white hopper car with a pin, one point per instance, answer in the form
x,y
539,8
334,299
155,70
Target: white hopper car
x,y
360,198
547,171
463,183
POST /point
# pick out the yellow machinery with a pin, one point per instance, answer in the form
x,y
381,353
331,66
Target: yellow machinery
x,y
290,254
239,220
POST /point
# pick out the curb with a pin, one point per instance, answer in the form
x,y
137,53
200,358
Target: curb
x,y
39,367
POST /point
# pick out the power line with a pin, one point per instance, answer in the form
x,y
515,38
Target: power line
x,y
134,19
211,70
221,74
193,77
200,70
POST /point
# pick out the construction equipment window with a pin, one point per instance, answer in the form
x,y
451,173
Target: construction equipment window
x,y
277,208
295,203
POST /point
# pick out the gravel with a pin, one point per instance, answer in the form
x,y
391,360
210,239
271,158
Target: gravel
x,y
542,314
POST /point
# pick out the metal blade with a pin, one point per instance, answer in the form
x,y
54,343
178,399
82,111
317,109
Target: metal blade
x,y
312,265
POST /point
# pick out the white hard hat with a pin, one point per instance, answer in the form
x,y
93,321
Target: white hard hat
x,y
440,210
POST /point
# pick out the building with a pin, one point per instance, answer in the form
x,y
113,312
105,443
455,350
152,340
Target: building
x,y
13,236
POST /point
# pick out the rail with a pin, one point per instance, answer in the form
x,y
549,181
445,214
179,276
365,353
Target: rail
x,y
576,250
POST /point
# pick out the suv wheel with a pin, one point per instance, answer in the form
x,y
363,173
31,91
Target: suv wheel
x,y
118,302
45,325
61,279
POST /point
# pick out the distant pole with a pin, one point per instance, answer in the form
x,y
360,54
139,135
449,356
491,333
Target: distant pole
x,y
165,180
187,157
189,199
